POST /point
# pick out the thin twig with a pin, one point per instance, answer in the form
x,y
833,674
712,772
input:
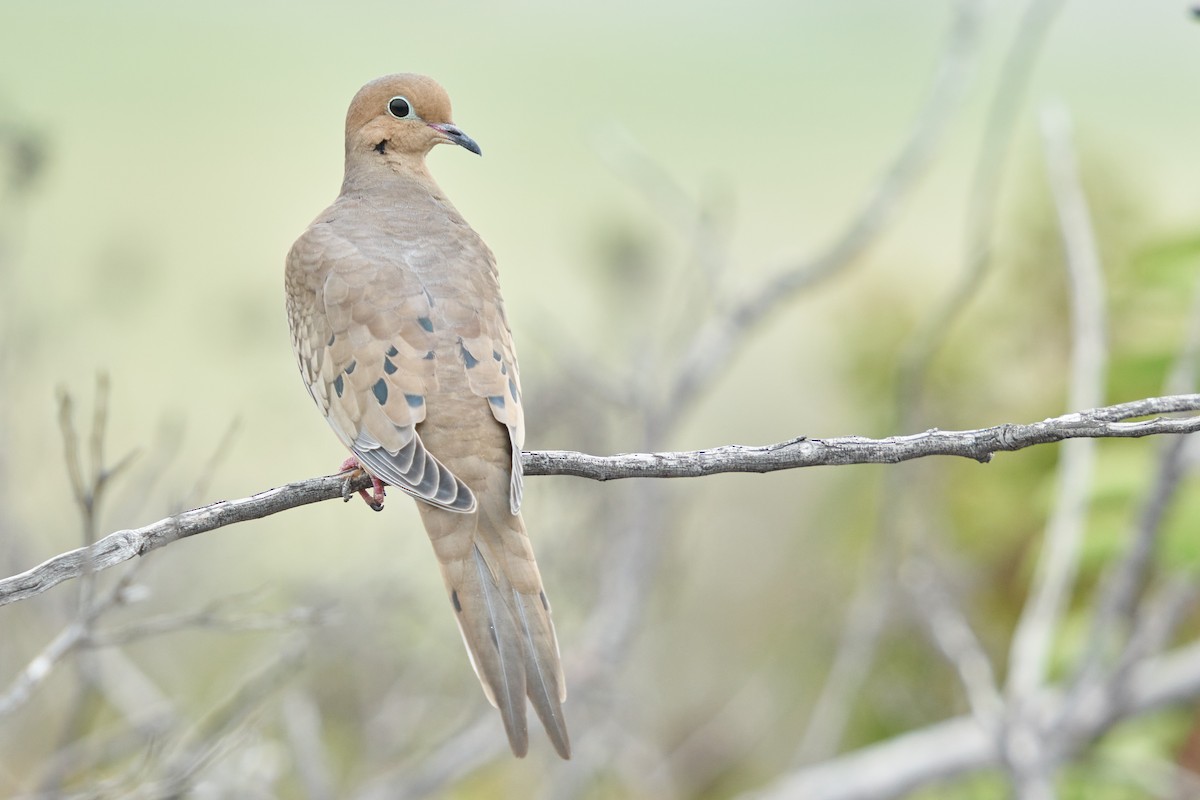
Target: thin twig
x,y
207,618
1117,598
222,450
220,730
69,639
988,173
715,341
449,761
849,667
1120,590
952,633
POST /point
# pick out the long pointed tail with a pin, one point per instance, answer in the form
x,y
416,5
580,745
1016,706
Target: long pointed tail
x,y
504,617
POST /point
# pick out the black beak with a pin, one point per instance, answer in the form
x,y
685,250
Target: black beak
x,y
454,135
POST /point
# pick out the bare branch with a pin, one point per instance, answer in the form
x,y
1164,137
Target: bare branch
x,y
223,729
66,425
713,343
1059,562
38,669
958,746
952,634
302,724
1065,529
990,168
980,445
1097,423
448,762
72,637
121,546
859,643
211,617
1117,599
1121,589
220,452
851,663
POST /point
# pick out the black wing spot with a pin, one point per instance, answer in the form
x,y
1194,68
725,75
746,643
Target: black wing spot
x,y
392,352
332,339
429,356
414,400
468,359
496,400
381,391
426,323
496,355
454,600
381,147
388,366
350,367
545,602
512,389
339,385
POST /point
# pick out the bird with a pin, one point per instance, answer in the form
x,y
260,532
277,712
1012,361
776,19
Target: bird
x,y
401,336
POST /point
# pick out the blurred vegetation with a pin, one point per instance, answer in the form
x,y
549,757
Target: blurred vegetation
x,y
148,192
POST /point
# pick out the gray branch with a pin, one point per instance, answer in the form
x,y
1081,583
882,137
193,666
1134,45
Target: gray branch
x,y
959,746
121,546
980,445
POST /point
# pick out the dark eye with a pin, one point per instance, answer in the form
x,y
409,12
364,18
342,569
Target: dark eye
x,y
400,108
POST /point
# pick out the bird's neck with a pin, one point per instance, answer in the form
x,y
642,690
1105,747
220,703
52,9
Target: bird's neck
x,y
390,174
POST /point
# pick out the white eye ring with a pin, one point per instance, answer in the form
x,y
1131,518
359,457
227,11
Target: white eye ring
x,y
400,108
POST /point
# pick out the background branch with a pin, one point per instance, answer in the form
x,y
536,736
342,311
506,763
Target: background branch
x,y
893,549
1059,562
958,746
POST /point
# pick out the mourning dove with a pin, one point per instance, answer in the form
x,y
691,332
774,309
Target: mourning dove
x,y
399,329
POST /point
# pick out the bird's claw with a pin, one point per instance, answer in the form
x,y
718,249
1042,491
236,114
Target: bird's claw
x,y
374,499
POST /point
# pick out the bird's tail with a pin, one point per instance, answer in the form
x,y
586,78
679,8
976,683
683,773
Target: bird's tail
x,y
502,612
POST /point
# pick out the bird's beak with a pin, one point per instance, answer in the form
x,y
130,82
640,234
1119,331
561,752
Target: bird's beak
x,y
454,135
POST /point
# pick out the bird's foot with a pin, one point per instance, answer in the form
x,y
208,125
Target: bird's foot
x,y
375,498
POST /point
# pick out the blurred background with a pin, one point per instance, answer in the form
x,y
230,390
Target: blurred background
x,y
647,167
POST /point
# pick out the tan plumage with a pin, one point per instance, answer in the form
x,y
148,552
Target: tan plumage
x,y
399,329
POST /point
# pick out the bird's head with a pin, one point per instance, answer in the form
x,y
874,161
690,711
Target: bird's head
x,y
401,116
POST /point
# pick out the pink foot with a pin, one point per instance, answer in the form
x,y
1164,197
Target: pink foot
x,y
375,498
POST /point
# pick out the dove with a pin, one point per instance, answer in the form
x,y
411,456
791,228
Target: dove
x,y
400,332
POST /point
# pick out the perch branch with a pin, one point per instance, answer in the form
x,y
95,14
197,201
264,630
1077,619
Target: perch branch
x,y
1097,423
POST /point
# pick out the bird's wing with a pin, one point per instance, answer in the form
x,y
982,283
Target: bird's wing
x,y
366,351
490,359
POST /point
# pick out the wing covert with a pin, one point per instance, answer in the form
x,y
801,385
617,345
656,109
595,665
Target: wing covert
x,y
367,356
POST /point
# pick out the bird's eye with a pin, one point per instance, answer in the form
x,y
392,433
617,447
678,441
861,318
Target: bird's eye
x,y
400,108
